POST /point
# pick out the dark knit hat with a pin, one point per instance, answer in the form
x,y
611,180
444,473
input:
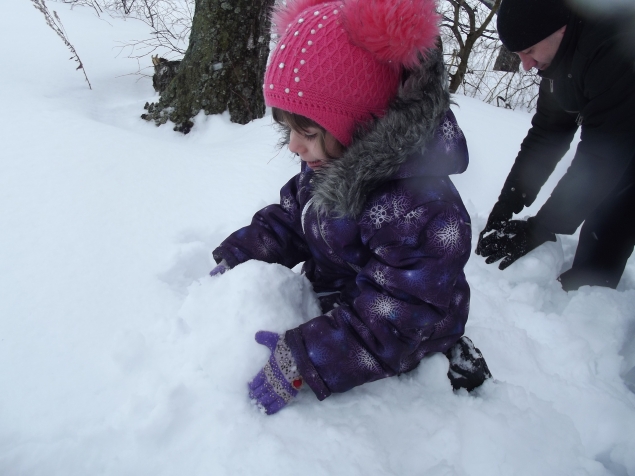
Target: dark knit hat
x,y
523,23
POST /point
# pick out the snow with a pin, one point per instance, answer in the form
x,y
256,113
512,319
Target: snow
x,y
120,356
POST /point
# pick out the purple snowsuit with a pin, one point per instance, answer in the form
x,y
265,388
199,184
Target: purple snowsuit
x,y
384,237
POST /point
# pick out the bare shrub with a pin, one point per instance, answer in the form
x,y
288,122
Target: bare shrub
x,y
469,23
54,22
169,22
466,24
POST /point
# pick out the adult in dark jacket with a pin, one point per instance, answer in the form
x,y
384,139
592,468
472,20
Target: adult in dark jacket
x,y
588,82
381,229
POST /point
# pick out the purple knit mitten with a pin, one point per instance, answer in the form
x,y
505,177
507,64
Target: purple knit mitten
x,y
279,381
220,269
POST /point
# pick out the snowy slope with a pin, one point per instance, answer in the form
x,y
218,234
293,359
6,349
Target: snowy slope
x,y
119,356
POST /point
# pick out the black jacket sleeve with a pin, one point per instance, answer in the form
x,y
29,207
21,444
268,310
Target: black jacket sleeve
x,y
607,143
552,130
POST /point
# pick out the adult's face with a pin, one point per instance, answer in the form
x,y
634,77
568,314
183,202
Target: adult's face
x,y
541,54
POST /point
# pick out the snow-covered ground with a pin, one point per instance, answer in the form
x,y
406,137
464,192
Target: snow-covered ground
x,y
120,356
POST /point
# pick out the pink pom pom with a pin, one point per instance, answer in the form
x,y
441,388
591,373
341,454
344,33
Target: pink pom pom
x,y
393,30
284,15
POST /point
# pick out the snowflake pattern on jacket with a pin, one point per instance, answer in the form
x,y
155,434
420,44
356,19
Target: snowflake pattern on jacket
x,y
394,270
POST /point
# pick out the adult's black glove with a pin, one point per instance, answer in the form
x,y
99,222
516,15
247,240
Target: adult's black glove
x,y
498,219
514,240
510,201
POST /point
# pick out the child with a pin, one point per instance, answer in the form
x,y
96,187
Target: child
x,y
383,233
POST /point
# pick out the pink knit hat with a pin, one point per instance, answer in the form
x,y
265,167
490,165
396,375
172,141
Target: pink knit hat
x,y
339,63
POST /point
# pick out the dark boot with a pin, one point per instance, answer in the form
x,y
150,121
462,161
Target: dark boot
x,y
468,368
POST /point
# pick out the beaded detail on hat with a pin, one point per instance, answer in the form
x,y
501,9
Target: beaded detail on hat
x,y
326,76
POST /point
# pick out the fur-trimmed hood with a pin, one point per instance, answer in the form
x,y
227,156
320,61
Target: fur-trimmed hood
x,y
395,145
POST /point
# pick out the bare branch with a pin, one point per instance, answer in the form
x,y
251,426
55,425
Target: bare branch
x,y
470,55
489,17
169,22
55,23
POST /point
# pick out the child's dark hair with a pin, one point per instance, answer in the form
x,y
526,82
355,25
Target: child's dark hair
x,y
289,121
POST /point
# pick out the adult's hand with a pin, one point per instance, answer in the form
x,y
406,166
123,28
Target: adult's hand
x,y
514,240
497,220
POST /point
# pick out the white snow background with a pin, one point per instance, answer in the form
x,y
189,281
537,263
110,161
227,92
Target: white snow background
x,y
120,356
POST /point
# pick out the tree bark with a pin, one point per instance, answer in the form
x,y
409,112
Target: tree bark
x,y
506,61
464,54
466,45
223,67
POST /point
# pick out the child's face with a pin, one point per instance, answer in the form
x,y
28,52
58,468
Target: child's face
x,y
307,144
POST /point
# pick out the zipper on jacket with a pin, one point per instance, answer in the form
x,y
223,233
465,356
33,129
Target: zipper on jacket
x,y
579,119
304,210
551,85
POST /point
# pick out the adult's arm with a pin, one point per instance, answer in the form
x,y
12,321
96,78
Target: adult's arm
x,y
549,137
607,144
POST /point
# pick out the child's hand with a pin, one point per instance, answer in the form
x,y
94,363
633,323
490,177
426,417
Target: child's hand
x,y
220,269
279,381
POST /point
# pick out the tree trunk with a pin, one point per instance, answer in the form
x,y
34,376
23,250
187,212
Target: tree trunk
x,y
475,32
507,61
464,55
223,67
